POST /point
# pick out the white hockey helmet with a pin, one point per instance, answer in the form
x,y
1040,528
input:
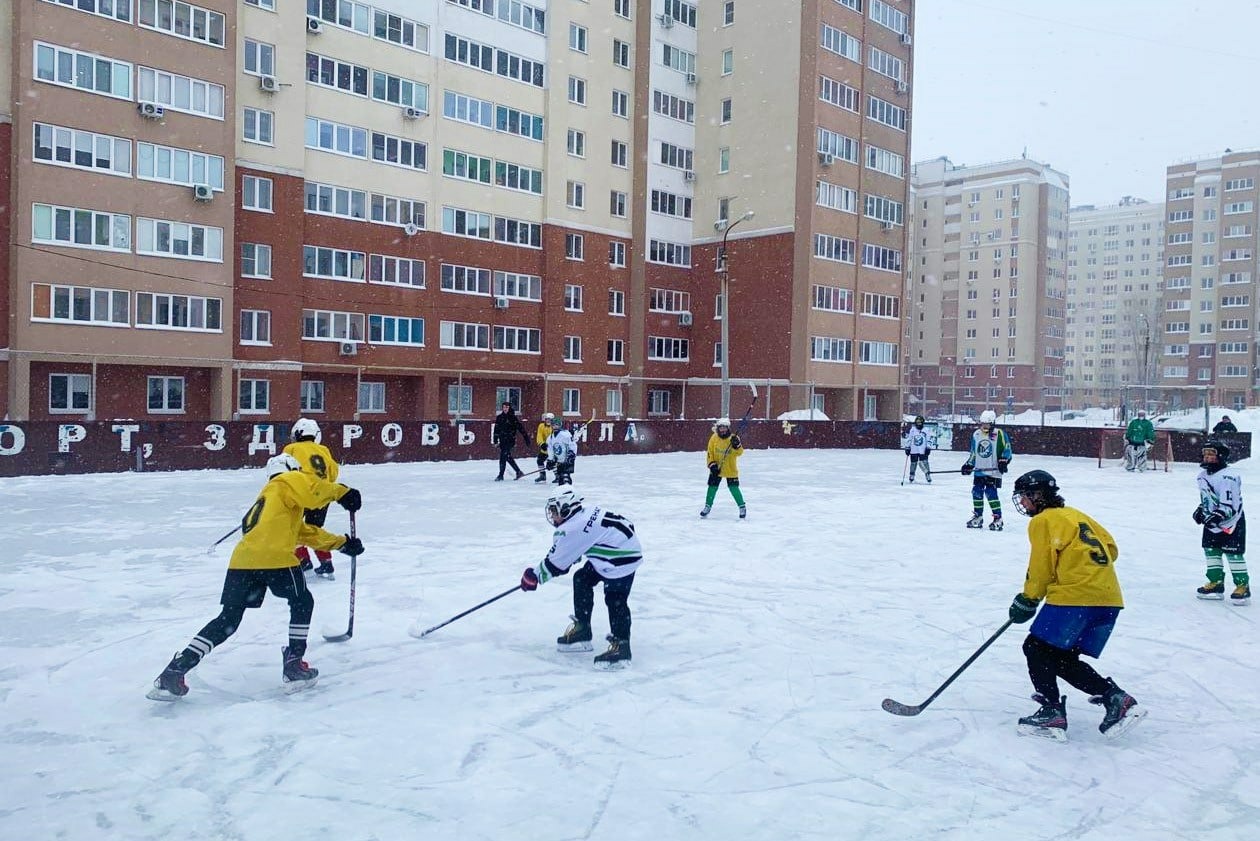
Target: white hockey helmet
x,y
305,428
282,463
563,503
726,422
548,416
988,417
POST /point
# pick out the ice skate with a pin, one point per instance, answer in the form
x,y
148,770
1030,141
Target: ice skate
x,y
1212,591
576,638
169,686
976,522
996,525
542,477
616,657
297,675
704,512
325,571
1049,722
1241,595
1122,711
743,512
304,558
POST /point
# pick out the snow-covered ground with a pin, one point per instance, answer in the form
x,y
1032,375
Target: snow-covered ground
x,y
762,650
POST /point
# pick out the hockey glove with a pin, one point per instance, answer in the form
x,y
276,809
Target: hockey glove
x,y
1214,519
714,469
529,580
1198,515
1022,609
1004,464
927,453
351,500
352,547
551,464
966,469
736,443
907,451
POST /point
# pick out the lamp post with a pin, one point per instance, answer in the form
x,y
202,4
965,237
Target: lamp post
x,y
723,269
1146,355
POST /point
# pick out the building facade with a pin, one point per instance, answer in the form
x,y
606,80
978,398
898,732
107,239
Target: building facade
x,y
259,209
986,292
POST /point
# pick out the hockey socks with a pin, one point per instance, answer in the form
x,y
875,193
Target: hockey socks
x,y
710,495
737,493
1216,567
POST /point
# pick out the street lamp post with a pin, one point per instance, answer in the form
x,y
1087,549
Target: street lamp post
x,y
723,269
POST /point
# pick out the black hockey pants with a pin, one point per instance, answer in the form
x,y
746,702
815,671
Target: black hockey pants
x,y
1046,663
616,594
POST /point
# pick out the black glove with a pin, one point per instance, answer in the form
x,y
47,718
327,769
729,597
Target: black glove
x,y
735,442
1213,519
907,451
1022,609
1003,465
529,579
1198,515
927,453
966,469
351,500
714,468
352,547
550,465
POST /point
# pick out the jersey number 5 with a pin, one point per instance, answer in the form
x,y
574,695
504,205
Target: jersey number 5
x,y
1097,553
251,516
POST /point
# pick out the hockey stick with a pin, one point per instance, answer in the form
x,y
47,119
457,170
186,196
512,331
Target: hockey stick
x,y
354,563
743,424
898,708
428,631
903,469
214,545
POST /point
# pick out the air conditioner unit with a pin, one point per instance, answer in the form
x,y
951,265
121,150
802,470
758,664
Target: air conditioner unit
x,y
684,319
689,175
348,349
151,110
826,158
270,84
902,87
667,21
314,25
412,113
203,192
692,78
906,39
411,229
501,303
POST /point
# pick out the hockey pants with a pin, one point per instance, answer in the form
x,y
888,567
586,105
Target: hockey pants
x,y
1046,663
616,594
918,460
986,486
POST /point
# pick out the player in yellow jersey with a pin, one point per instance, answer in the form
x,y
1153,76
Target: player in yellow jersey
x,y
317,460
1072,567
541,433
723,454
263,560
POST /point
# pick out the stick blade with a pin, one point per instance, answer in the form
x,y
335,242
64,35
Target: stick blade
x,y
898,708
339,637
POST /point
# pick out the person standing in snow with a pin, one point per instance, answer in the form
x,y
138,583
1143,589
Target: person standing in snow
x,y
1139,435
317,460
918,445
722,455
1224,426
1220,512
989,458
561,452
541,434
506,426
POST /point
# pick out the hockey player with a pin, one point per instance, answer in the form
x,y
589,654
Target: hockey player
x,y
1224,426
1220,512
561,452
918,445
263,560
613,555
317,460
1071,566
506,426
990,456
722,455
1139,435
541,434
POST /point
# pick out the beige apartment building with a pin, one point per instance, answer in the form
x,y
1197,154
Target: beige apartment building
x,y
1114,302
985,292
1208,318
393,210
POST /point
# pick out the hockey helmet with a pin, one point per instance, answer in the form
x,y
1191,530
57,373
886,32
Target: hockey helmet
x,y
919,421
1039,487
988,417
282,463
305,429
563,504
548,417
1141,413
556,423
723,424
1220,455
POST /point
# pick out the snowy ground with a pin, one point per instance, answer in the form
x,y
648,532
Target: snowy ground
x,y
751,711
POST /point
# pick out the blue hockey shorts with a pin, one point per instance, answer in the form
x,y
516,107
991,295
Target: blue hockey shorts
x,y
1085,629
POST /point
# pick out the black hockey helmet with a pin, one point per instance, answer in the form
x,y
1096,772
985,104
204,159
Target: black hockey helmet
x,y
918,420
1221,449
1040,488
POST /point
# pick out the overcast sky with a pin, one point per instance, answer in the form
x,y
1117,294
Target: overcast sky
x,y
1109,91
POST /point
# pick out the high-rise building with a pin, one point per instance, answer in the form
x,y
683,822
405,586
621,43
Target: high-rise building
x,y
1208,322
395,210
985,290
1114,288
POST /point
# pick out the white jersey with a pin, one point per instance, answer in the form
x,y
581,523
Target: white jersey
x,y
918,441
606,539
561,445
1222,492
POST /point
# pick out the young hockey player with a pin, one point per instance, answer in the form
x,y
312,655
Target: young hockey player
x,y
918,444
317,460
263,560
562,452
722,455
1224,426
541,434
1220,512
613,554
989,459
506,427
1139,435
1071,566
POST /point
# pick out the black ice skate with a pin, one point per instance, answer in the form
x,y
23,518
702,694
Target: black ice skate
x,y
542,477
1241,595
704,512
743,512
1122,711
577,638
297,675
996,525
325,571
616,657
976,522
1212,591
1049,722
169,686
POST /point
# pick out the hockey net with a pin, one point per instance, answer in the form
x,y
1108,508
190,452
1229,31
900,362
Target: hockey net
x,y
1111,450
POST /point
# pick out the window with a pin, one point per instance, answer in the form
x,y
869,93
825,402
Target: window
x,y
508,394
182,20
74,69
841,43
180,240
575,143
728,62
574,247
620,154
467,166
166,395
674,107
886,113
178,312
726,111
257,125
372,397
523,15
269,5
669,300
466,223
658,401
620,53
255,327
256,193
836,197
616,352
620,104
676,59
832,299
517,232
178,166
575,194
616,302
466,109
80,228
669,253
677,156
69,393
838,94
523,287
882,160
311,396
577,90
467,280
336,138
612,402
516,177
577,38
666,349
254,397
260,58
880,353
670,204
80,304
828,349
458,399
397,151
255,260
101,153
457,335
885,64
517,340
120,10
880,306
724,159
180,93
333,263
573,297
621,8
516,122
571,402
399,30
888,17
572,348
396,271
399,91
838,145
617,204
878,257
339,75
326,325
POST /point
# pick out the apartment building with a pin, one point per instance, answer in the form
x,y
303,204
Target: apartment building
x,y
1114,300
395,210
985,295
1208,318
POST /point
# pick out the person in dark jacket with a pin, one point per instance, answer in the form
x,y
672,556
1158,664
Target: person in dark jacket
x,y
506,426
1224,425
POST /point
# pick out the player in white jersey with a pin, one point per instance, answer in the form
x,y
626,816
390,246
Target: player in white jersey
x,y
612,553
918,443
1220,512
561,452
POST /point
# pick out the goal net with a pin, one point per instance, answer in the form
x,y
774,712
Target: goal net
x,y
1113,451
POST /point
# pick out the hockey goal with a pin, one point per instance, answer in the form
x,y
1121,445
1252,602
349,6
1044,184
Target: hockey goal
x,y
1111,450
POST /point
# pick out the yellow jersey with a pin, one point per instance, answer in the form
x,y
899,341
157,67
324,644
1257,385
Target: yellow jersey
x,y
315,459
1072,562
718,446
541,434
273,525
